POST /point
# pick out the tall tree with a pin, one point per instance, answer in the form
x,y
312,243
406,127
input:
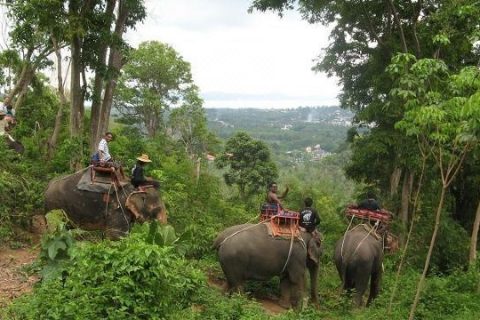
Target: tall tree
x,y
438,113
249,164
155,78
189,125
33,24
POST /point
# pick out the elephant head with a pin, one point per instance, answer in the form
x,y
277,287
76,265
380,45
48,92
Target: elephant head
x,y
390,243
146,204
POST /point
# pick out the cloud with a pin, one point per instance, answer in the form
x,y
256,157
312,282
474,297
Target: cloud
x,y
240,54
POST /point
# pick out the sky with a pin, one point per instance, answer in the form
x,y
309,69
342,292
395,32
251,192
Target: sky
x,y
242,60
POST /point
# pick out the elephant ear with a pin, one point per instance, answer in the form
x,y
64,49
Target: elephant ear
x,y
130,204
314,249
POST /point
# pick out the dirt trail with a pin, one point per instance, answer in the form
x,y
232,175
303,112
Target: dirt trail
x,y
269,304
14,281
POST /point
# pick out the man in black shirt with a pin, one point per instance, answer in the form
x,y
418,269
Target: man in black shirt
x,y
138,175
309,218
370,203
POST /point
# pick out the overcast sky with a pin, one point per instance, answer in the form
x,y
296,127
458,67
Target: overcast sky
x,y
239,59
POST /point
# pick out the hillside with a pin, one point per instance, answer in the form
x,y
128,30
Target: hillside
x,y
287,131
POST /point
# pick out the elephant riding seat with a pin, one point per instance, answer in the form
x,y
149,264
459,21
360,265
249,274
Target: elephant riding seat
x,y
249,252
92,207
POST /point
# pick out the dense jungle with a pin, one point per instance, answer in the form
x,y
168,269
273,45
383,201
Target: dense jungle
x,y
406,130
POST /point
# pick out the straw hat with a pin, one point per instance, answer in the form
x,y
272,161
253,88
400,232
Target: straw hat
x,y
144,158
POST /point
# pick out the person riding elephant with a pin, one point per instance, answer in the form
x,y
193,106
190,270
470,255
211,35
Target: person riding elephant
x,y
248,252
112,212
358,258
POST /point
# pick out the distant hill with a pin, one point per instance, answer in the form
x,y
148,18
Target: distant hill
x,y
285,130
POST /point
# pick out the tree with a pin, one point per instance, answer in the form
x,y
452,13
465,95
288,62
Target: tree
x,y
249,165
33,24
155,78
439,112
93,30
189,125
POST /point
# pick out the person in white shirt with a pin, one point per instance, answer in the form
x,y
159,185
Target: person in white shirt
x,y
3,123
103,152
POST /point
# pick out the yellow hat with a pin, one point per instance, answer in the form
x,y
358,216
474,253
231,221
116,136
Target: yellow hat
x,y
144,158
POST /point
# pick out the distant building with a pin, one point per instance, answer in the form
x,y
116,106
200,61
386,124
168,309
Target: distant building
x,y
287,127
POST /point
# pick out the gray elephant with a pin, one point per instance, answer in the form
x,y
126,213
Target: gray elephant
x,y
248,252
358,258
112,212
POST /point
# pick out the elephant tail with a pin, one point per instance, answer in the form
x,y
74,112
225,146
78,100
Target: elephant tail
x,y
217,243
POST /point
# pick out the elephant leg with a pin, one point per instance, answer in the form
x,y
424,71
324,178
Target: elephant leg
x,y
117,225
361,284
233,274
297,285
374,287
285,292
296,293
231,288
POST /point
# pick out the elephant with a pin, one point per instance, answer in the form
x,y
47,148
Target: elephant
x,y
248,252
358,258
112,213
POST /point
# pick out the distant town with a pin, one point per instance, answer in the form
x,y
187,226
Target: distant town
x,y
295,135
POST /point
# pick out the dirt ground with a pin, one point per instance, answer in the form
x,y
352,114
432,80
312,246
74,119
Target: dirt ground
x,y
14,280
269,304
15,257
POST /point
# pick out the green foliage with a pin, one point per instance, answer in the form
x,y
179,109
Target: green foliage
x,y
21,195
128,279
57,245
249,165
155,78
451,249
212,305
196,207
189,125
56,249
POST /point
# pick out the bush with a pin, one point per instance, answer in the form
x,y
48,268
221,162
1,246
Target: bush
x,y
128,279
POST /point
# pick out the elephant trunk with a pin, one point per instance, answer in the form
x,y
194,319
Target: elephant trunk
x,y
313,271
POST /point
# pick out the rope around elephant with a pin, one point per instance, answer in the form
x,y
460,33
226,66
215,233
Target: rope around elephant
x,y
374,228
269,219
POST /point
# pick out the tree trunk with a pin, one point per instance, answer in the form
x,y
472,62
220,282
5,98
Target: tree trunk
x,y
77,109
115,63
197,171
472,257
429,254
394,180
410,230
405,202
21,79
24,83
95,128
52,143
